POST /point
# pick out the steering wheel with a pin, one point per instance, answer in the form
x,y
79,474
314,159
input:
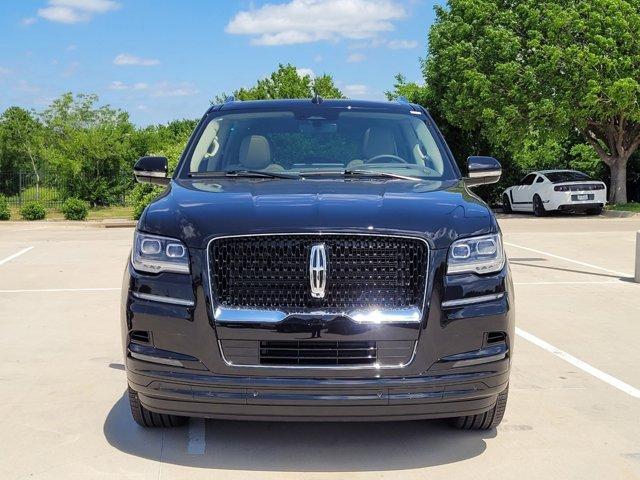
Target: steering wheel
x,y
393,158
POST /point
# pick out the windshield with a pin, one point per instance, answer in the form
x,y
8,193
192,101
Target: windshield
x,y
319,141
568,176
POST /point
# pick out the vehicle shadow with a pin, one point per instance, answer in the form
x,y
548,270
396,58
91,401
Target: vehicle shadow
x,y
549,215
299,446
571,270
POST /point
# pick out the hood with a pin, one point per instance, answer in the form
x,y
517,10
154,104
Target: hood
x,y
197,210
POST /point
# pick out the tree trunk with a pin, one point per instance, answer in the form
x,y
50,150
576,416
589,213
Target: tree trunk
x,y
618,188
35,171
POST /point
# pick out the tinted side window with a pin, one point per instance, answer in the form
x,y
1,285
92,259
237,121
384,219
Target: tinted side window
x,y
528,180
540,180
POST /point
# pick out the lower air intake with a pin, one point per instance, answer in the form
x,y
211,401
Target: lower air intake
x,y
317,353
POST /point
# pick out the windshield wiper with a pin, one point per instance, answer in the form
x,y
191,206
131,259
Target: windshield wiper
x,y
374,173
246,173
259,173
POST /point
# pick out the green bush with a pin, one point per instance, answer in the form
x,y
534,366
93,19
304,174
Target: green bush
x,y
5,213
141,196
32,211
75,209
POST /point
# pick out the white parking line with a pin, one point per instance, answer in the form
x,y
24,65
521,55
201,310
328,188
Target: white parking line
x,y
15,255
60,290
568,260
576,362
197,443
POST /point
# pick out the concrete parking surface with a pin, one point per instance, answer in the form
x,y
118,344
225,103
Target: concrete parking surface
x,y
573,412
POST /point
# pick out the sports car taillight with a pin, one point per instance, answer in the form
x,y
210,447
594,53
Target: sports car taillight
x,y
579,188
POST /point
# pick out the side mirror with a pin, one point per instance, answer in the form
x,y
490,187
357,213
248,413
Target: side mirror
x,y
482,171
152,170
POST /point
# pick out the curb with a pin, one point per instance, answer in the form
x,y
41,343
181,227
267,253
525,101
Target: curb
x,y
108,223
619,214
117,224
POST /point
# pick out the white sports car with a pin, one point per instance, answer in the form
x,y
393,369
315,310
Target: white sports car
x,y
550,190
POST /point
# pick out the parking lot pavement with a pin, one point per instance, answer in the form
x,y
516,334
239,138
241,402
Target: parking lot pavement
x,y
573,408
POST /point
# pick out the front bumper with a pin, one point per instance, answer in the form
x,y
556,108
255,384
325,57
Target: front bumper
x,y
455,370
305,399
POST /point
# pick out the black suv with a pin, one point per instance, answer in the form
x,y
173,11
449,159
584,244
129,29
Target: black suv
x,y
317,260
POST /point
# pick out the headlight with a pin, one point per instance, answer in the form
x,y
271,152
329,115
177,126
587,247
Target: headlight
x,y
155,254
476,255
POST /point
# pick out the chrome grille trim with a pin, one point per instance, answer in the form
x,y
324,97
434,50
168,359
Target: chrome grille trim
x,y
163,299
472,300
242,315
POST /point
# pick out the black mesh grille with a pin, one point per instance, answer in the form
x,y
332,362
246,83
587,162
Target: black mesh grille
x,y
317,353
363,271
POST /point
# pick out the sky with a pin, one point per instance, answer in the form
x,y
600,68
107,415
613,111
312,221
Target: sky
x,y
166,59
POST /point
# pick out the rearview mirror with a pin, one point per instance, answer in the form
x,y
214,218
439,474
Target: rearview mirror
x,y
482,171
152,170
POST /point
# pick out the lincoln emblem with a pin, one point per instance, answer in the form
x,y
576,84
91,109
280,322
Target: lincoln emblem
x,y
318,270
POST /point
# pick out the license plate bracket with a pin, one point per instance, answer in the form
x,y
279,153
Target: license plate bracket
x,y
582,197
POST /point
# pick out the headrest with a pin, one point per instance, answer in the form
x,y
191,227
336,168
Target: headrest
x,y
378,141
255,152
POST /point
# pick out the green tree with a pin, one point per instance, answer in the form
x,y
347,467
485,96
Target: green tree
x,y
90,148
532,74
462,142
163,140
287,82
21,142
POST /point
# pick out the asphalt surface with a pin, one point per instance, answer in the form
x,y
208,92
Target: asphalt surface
x,y
573,412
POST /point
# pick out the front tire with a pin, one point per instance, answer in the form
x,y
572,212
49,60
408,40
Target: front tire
x,y
538,207
506,205
487,420
148,419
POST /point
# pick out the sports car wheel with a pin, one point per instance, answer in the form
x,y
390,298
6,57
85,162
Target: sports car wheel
x,y
538,207
506,204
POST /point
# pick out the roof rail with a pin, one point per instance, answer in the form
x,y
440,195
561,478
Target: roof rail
x,y
402,99
230,99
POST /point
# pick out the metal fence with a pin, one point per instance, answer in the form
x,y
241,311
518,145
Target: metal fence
x,y
22,187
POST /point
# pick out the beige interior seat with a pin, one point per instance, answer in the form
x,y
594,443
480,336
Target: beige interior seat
x,y
255,152
378,141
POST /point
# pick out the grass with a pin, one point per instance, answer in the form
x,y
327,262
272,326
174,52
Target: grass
x,y
100,213
625,207
96,213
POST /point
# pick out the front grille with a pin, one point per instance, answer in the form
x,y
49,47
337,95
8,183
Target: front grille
x,y
272,272
317,353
